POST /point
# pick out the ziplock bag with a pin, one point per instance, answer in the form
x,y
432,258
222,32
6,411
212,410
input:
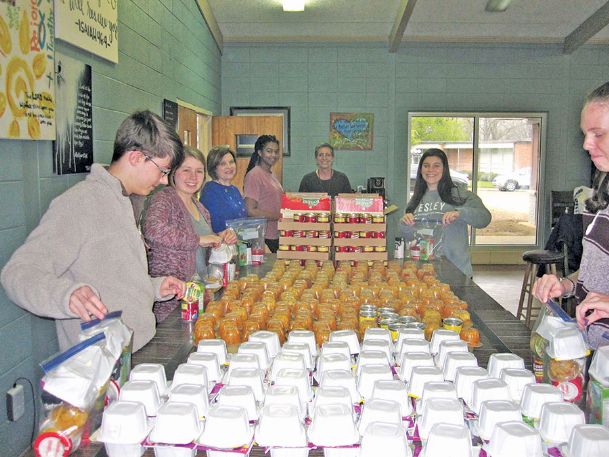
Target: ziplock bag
x,y
74,387
119,342
251,232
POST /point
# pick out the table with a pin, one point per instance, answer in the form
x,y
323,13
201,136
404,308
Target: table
x,y
500,331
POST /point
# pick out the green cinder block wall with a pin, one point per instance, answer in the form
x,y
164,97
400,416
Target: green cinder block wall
x,y
316,79
165,51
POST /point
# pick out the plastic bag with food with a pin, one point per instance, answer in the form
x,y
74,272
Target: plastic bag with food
x,y
250,232
222,263
74,387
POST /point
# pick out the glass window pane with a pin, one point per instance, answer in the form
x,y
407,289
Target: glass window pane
x,y
454,135
507,179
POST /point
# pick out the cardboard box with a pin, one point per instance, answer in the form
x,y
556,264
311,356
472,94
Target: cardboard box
x,y
340,227
291,225
359,203
303,255
305,202
360,256
293,241
360,242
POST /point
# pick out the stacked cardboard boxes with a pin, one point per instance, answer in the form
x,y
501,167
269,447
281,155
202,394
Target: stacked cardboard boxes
x,y
359,227
304,229
354,229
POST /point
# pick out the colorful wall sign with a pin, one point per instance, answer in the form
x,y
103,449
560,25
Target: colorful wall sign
x,y
90,25
27,89
351,130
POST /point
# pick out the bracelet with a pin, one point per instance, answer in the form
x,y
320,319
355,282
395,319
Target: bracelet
x,y
572,293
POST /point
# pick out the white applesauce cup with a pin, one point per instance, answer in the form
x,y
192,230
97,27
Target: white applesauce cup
x,y
439,410
514,439
394,390
411,360
146,392
124,426
376,410
589,440
493,412
217,347
464,382
456,360
499,361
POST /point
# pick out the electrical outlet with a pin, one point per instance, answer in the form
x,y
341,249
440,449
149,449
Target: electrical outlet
x,y
15,403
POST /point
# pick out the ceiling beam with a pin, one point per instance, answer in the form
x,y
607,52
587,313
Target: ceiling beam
x,y
401,21
587,29
211,22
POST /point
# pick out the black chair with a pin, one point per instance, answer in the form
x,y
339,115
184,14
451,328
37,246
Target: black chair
x,y
561,202
535,260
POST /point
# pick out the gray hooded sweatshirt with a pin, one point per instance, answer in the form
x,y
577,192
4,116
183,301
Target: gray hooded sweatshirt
x,y
452,239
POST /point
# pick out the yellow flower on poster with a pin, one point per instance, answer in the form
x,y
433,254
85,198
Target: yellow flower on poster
x,y
27,88
351,130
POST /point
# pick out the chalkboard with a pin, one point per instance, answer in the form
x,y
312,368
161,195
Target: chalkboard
x,y
170,113
73,151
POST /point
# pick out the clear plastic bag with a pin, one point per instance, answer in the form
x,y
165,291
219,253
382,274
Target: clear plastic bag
x,y
426,243
74,388
250,232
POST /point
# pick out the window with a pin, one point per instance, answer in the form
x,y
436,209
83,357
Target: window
x,y
496,156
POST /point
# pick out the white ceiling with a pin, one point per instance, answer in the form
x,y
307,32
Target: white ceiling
x,y
525,21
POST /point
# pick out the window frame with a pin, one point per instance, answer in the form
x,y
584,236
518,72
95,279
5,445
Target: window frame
x,y
542,195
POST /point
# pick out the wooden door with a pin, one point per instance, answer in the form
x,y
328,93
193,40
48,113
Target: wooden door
x,y
226,128
187,126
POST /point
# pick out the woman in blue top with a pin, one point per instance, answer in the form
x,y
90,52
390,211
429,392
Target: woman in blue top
x,y
223,200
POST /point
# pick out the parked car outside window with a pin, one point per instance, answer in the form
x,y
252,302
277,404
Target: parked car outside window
x,y
517,179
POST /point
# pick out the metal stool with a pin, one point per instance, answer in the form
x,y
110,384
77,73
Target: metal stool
x,y
535,259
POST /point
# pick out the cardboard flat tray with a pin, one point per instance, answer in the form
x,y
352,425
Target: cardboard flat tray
x,y
303,255
360,256
344,227
292,241
360,242
291,225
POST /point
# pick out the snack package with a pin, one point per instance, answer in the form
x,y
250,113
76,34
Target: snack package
x,y
73,394
597,400
193,301
251,231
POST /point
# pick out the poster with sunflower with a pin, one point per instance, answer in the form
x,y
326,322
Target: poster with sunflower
x,y
27,84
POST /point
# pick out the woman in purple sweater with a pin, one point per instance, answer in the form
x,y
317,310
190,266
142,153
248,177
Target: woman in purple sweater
x,y
177,228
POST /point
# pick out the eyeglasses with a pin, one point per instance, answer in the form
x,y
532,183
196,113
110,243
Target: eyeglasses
x,y
164,171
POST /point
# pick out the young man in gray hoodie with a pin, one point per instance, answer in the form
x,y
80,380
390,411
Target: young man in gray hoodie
x,y
87,257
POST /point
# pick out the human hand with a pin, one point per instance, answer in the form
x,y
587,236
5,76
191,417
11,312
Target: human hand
x,y
449,217
210,240
229,236
548,286
172,287
408,219
86,304
595,302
